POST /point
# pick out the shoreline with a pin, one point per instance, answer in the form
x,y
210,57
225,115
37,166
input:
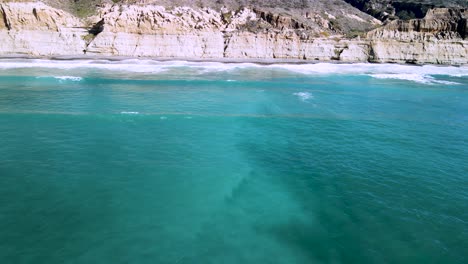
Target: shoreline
x,y
163,59
247,36
259,61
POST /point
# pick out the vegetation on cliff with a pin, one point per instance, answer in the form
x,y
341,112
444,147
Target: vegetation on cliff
x,y
339,16
403,9
307,30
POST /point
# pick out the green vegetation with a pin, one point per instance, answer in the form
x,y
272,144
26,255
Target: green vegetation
x,y
356,33
88,38
298,10
403,9
406,15
318,17
227,17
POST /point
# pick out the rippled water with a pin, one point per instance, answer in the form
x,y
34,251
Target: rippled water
x,y
178,162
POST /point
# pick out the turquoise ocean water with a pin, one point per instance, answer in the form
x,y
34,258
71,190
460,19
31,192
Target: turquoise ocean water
x,y
181,162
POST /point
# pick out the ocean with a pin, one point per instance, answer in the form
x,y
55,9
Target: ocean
x,y
141,161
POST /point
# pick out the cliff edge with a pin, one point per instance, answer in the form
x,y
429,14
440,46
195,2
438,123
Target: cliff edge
x,y
244,32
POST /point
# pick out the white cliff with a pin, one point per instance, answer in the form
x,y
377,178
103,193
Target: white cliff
x,y
439,38
36,29
39,30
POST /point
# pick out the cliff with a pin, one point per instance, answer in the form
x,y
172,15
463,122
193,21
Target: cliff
x,y
36,29
39,30
439,38
206,33
387,10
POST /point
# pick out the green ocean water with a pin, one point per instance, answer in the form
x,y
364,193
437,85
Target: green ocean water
x,y
177,162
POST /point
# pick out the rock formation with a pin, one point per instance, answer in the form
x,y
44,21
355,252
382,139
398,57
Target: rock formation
x,y
439,38
387,10
39,30
36,29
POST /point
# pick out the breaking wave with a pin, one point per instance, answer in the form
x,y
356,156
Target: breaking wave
x,y
420,74
419,78
369,69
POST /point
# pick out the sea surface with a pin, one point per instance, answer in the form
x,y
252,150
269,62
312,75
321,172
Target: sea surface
x,y
141,161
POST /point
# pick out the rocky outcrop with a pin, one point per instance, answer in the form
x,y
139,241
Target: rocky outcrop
x,y
387,10
154,31
438,38
439,24
189,33
39,30
273,45
381,10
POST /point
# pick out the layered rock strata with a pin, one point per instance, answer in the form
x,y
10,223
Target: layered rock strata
x,y
439,38
39,30
36,29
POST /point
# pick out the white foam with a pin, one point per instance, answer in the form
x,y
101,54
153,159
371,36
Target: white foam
x,y
420,74
207,67
408,77
367,68
70,78
131,65
129,113
446,82
127,65
304,96
62,78
419,78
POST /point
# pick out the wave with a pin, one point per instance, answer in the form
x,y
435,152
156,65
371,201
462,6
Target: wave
x,y
70,78
129,113
304,96
124,66
422,74
62,78
368,69
419,78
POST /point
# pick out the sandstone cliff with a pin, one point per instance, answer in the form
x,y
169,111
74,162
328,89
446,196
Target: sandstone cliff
x,y
386,10
206,33
439,38
36,29
39,30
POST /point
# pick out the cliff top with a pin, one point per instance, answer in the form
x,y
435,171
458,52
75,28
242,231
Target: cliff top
x,y
350,18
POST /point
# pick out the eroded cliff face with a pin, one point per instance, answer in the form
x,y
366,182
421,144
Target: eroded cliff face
x,y
206,33
157,32
183,32
39,30
439,38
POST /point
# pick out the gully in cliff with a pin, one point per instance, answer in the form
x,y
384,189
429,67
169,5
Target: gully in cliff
x,y
313,32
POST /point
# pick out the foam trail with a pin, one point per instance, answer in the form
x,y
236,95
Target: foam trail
x,y
367,69
446,82
419,78
126,66
71,78
405,72
304,96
